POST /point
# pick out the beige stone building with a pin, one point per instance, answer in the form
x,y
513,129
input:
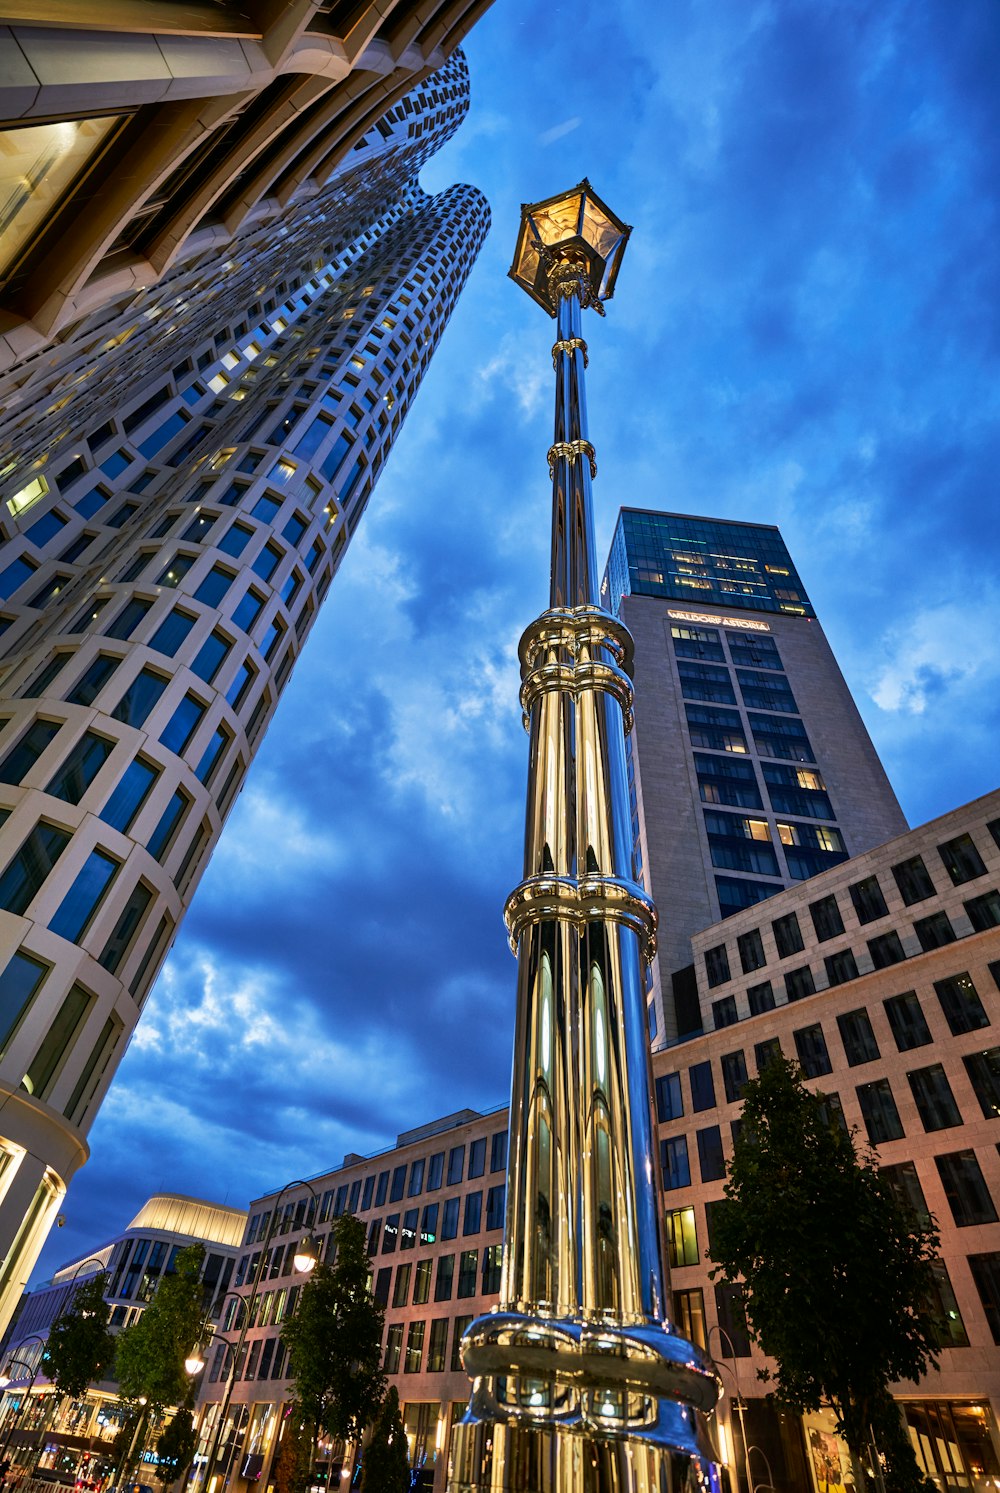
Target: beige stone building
x,y
881,977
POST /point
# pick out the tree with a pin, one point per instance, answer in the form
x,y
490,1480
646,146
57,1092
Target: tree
x,y
386,1465
149,1359
80,1344
176,1448
838,1273
334,1340
292,1467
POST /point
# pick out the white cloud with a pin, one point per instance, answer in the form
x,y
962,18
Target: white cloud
x,y
943,649
549,137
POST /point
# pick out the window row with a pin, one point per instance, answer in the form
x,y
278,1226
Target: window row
x,y
959,856
436,1359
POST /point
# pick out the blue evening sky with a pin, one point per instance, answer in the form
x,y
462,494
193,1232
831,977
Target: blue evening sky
x,y
806,332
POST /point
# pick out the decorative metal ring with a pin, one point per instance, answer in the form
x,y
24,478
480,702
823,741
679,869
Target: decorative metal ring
x,y
566,345
570,449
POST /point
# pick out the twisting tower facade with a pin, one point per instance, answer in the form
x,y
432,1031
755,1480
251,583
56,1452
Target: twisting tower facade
x,y
185,470
579,1382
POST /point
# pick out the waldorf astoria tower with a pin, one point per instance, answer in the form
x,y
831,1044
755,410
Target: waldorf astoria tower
x,y
750,766
220,287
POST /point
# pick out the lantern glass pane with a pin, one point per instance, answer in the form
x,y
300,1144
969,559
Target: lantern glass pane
x,y
559,220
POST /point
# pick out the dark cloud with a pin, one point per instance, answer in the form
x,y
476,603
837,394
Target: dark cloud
x,y
806,332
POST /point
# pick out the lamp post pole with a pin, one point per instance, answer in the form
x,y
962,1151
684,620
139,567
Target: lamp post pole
x,y
32,1376
580,1385
307,1252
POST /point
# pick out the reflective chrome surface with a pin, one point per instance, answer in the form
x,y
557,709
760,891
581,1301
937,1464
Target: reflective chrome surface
x,y
579,1381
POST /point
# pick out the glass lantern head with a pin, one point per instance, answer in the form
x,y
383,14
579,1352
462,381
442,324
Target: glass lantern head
x,y
575,226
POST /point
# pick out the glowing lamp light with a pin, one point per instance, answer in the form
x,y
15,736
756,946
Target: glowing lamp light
x,y
5,1379
194,1363
306,1255
575,226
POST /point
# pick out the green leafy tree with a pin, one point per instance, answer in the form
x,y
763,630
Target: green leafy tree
x,y
80,1344
838,1274
176,1448
334,1340
385,1467
149,1358
291,1470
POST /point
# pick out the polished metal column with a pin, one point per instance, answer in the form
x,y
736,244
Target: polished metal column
x,y
580,1384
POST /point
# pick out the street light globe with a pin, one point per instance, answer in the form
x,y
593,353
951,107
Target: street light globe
x,y
306,1256
5,1379
194,1363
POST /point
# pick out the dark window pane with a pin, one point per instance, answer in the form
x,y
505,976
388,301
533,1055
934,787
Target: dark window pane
x,y
868,900
961,1005
905,1183
182,724
878,1109
128,619
90,684
171,633
934,932
163,835
961,860
214,587
826,918
174,573
734,1075
702,1086
724,1012
26,873
983,1069
764,1051
74,777
986,1274
885,950
674,1163
57,1041
85,895
858,1038
669,1100
710,1156
906,1018
26,752
912,880
799,983
965,1188
717,966
129,794
984,912
139,699
210,656
125,929
933,1097
840,967
810,1044
751,950
787,935
761,998
19,981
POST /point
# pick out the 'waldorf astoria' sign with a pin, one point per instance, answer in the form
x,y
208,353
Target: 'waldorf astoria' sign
x,y
742,622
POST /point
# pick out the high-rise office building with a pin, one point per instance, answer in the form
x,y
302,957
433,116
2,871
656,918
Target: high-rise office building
x,y
186,452
751,768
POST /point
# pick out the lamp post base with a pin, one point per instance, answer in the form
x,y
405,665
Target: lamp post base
x,y
495,1458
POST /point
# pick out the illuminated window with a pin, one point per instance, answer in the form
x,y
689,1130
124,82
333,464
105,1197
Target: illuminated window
x,y
21,501
38,166
218,383
811,780
759,829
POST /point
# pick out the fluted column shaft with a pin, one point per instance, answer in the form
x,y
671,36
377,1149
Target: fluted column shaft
x,y
579,1384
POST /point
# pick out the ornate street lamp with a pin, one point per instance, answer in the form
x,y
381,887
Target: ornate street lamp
x,y
580,1384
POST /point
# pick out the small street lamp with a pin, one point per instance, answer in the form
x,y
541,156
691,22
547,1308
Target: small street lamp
x,y
305,1259
6,1379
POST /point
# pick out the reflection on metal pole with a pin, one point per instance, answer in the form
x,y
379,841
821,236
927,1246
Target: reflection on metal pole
x,y
580,1385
